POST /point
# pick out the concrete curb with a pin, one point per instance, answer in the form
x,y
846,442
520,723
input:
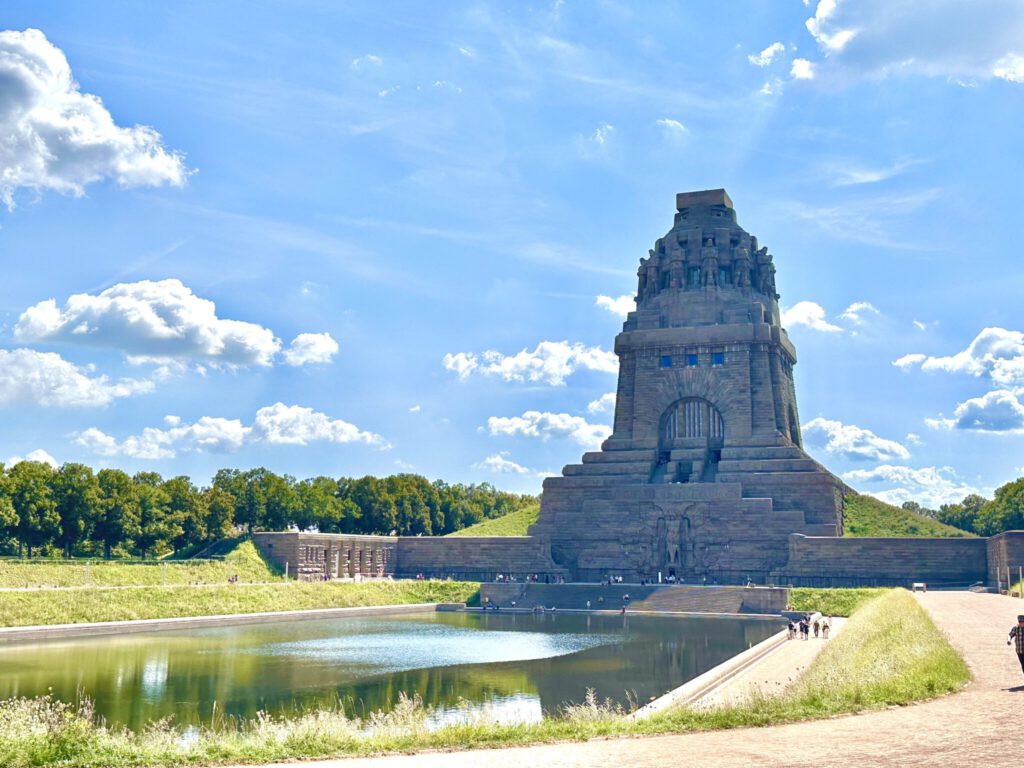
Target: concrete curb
x,y
701,685
99,628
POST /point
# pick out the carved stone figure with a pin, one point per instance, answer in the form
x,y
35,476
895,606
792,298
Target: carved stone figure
x,y
709,262
741,267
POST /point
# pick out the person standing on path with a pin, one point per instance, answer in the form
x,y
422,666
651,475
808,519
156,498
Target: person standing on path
x,y
1016,637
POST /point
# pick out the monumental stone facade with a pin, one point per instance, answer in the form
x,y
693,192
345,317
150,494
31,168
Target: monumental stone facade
x,y
704,477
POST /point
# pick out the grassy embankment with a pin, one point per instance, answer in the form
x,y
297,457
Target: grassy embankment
x,y
512,524
243,561
833,602
74,606
867,516
889,653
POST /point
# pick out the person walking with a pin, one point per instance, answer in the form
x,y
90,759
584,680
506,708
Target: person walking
x,y
817,627
1016,637
824,629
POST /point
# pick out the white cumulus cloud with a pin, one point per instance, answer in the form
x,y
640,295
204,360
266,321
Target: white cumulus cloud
x,y
150,321
37,455
307,348
960,40
930,487
47,379
995,353
603,404
54,137
499,463
765,57
857,312
802,69
277,424
550,363
621,306
546,425
851,441
810,315
1000,410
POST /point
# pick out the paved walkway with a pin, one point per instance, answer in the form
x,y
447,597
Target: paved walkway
x,y
773,673
983,725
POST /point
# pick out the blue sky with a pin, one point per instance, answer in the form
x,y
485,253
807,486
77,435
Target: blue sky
x,y
347,240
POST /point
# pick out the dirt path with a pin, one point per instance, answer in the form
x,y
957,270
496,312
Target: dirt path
x,y
984,725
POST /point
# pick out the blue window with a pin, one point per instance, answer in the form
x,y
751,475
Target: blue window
x,y
691,359
666,361
718,358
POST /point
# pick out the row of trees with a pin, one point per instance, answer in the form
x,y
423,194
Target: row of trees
x,y
985,517
78,512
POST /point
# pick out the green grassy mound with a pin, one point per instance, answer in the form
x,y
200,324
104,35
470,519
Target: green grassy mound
x,y
867,516
29,608
512,524
832,602
242,561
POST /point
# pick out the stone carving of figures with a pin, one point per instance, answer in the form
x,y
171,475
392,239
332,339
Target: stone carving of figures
x,y
767,280
641,287
741,267
709,262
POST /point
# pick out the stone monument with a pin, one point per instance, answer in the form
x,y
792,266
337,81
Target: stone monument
x,y
703,478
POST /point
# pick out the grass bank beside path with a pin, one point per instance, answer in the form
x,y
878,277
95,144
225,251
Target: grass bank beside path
x,y
867,516
832,602
889,653
512,524
19,609
243,561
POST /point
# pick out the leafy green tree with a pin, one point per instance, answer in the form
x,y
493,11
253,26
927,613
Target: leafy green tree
x,y
220,513
77,493
187,512
156,525
33,502
118,517
251,499
319,505
1005,512
963,515
8,517
281,502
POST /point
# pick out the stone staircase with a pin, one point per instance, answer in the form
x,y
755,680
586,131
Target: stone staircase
x,y
651,597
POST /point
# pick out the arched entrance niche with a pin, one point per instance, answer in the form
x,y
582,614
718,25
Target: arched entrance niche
x,y
689,422
694,430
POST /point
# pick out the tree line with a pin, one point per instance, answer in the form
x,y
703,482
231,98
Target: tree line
x,y
976,514
75,511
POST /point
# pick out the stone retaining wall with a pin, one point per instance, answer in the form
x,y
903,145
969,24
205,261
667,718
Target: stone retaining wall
x,y
883,562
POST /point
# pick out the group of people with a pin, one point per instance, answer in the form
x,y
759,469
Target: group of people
x,y
806,624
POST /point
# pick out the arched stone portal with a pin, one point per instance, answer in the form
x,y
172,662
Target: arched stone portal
x,y
690,441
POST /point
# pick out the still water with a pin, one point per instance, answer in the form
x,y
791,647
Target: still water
x,y
512,667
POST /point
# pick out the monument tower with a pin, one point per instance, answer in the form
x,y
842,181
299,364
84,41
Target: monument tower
x,y
704,476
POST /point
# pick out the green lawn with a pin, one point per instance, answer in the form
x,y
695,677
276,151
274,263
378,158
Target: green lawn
x,y
243,561
889,653
513,524
74,606
867,516
832,602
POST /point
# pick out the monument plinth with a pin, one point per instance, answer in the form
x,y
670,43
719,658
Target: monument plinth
x,y
704,476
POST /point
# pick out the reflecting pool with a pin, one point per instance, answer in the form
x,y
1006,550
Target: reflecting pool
x,y
511,666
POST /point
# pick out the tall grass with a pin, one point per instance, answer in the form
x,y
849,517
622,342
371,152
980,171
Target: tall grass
x,y
74,606
889,653
243,561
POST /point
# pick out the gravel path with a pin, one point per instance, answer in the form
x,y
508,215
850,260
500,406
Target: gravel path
x,y
983,725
